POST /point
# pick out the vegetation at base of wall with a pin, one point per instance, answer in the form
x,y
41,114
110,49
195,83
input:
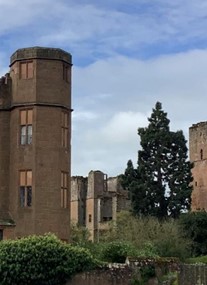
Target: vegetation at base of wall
x,y
116,251
150,236
79,235
195,226
171,278
41,260
149,271
198,259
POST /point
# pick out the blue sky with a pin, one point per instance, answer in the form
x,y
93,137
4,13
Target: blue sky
x,y
127,54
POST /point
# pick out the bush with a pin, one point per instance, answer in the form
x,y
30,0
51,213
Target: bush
x,y
116,251
79,235
41,260
166,238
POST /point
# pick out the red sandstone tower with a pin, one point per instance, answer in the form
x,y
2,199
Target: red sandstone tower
x,y
35,150
198,155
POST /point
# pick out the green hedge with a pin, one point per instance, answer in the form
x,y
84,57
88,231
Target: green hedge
x,y
41,260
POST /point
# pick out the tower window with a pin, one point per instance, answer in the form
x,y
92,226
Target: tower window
x,y
64,190
26,126
201,154
1,234
26,70
25,188
64,130
66,70
89,218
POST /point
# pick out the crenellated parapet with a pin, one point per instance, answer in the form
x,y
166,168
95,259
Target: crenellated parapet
x,y
5,92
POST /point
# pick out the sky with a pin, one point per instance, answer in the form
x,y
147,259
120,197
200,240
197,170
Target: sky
x,y
127,55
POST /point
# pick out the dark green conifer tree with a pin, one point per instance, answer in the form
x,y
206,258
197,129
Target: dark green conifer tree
x,y
161,187
129,175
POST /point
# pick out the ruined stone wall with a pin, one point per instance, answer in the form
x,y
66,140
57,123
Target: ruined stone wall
x,y
106,209
128,274
192,274
115,276
95,200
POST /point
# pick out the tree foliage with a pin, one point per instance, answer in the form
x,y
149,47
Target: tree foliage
x,y
149,236
116,251
79,235
195,226
160,186
41,260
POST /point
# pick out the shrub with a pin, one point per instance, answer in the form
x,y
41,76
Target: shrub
x,y
165,237
79,235
116,251
41,260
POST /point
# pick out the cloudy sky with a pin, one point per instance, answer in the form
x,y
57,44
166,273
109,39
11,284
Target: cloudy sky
x,y
127,54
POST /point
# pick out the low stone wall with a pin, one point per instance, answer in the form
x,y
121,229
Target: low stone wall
x,y
106,276
192,274
128,273
188,274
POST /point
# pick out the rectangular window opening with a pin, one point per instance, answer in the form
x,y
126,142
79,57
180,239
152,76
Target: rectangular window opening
x,y
1,234
65,130
64,190
26,70
66,72
26,118
25,188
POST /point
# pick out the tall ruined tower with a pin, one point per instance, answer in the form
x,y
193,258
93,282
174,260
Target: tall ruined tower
x,y
198,155
96,187
36,143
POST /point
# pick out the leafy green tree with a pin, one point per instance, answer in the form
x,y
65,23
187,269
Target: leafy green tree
x,y
161,186
195,226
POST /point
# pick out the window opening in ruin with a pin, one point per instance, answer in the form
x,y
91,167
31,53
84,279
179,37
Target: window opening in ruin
x,y
64,190
25,188
106,219
201,154
105,182
26,70
1,234
66,72
26,117
89,218
64,130
196,183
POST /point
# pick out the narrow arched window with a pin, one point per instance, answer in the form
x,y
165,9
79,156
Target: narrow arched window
x,y
201,154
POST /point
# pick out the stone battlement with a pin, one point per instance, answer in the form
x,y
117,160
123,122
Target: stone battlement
x,y
40,53
198,125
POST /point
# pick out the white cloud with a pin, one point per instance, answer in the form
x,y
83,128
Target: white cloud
x,y
108,141
135,52
121,129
